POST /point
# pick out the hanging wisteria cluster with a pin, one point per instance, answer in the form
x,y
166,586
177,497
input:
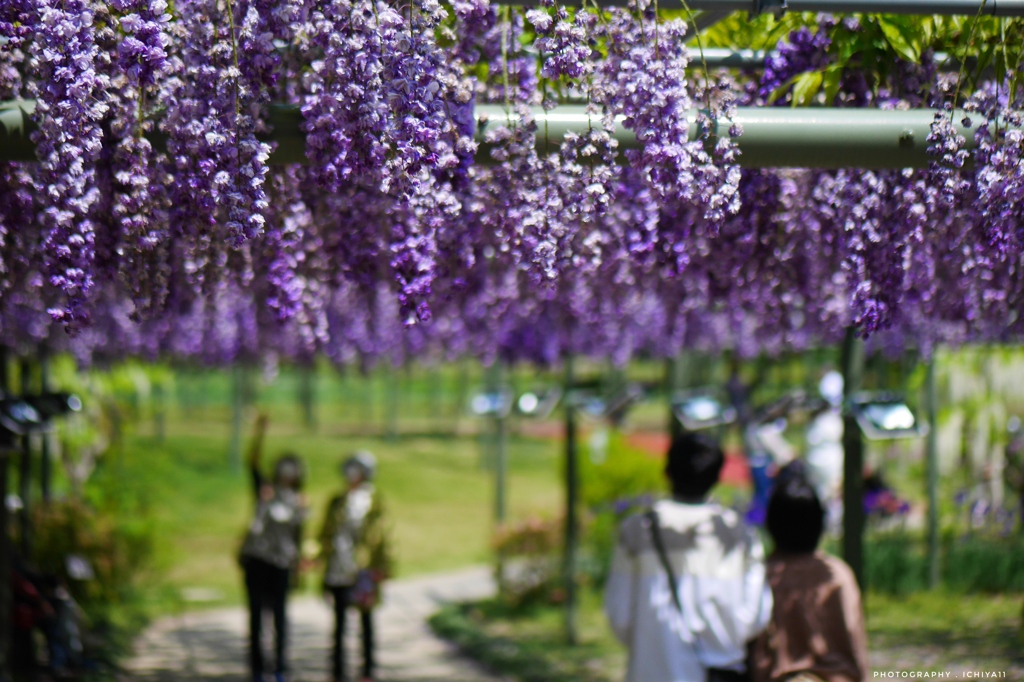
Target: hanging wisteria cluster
x,y
156,221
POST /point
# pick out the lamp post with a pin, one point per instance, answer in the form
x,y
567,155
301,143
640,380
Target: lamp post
x,y
873,415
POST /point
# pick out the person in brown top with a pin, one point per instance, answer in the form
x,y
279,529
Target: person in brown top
x,y
817,626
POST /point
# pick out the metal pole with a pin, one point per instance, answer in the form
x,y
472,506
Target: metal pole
x,y
160,410
998,8
461,395
853,459
6,558
773,137
672,367
307,394
932,472
46,468
500,468
393,388
500,464
500,449
728,58
706,20
237,407
25,474
6,564
571,495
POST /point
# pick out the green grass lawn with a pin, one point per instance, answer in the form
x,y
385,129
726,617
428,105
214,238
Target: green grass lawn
x,y
938,631
944,630
440,500
439,495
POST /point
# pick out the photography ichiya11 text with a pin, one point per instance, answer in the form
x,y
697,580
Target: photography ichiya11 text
x,y
925,674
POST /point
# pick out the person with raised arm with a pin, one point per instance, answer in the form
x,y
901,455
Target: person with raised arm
x,y
271,549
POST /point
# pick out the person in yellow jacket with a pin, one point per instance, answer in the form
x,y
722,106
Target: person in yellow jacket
x,y
354,547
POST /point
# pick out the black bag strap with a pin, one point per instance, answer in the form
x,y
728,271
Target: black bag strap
x,y
713,674
659,547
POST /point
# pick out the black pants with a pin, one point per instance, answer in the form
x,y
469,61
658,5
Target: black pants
x,y
342,601
719,675
267,586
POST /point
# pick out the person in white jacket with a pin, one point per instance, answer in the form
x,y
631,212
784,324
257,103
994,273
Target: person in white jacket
x,y
687,587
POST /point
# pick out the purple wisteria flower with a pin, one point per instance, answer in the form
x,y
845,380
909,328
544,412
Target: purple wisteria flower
x,y
69,109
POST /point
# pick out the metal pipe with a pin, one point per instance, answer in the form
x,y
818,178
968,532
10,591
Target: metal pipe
x,y
237,408
673,365
25,472
569,559
728,58
46,450
773,137
852,358
932,472
996,8
7,450
706,20
6,559
16,128
786,137
500,466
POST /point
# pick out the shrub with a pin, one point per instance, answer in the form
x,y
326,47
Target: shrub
x,y
531,551
979,563
625,482
897,562
117,547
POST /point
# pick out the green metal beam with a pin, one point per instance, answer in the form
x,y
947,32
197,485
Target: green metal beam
x,y
785,137
16,127
773,137
997,8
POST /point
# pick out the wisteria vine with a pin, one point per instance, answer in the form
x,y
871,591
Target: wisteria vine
x,y
157,221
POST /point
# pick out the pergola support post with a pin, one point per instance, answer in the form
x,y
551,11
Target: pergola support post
x,y
932,472
25,473
237,412
500,467
673,370
853,457
6,549
45,451
571,504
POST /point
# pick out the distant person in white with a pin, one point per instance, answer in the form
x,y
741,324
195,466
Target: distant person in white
x,y
825,449
699,631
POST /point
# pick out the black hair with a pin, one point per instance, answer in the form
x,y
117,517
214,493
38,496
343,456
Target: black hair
x,y
694,463
795,518
290,466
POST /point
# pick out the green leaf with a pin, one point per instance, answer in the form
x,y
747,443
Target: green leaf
x,y
831,80
899,39
806,87
780,92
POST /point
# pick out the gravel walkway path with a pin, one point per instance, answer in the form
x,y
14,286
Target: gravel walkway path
x,y
209,646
